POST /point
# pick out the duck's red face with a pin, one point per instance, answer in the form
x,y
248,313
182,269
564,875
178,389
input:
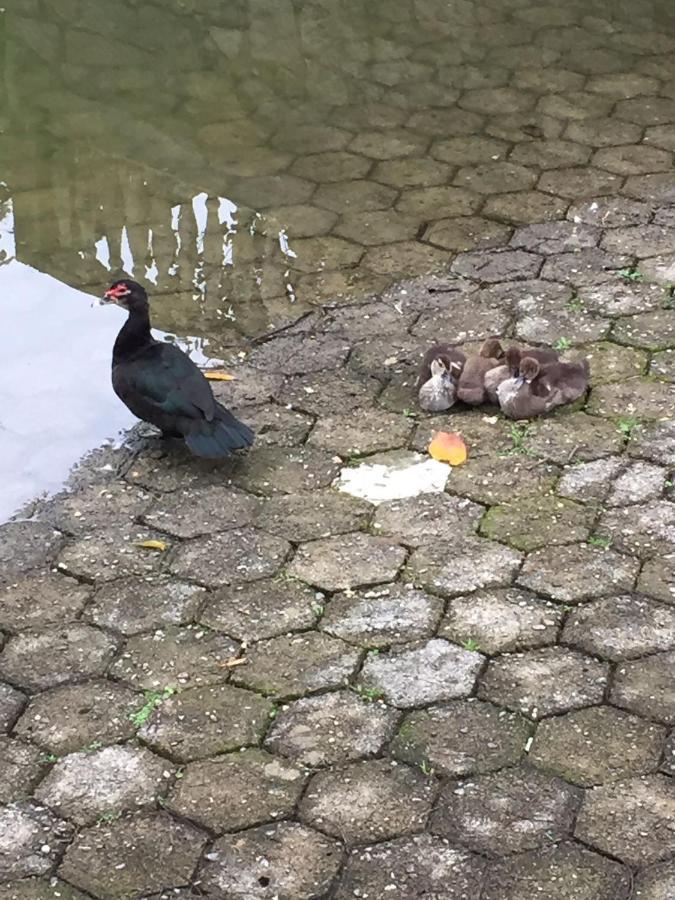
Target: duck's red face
x,y
117,293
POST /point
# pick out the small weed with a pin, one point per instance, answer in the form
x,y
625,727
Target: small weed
x,y
631,273
410,413
562,343
518,435
369,694
374,651
49,758
111,815
318,608
668,483
597,540
470,644
93,747
180,773
152,700
426,769
669,299
576,304
626,425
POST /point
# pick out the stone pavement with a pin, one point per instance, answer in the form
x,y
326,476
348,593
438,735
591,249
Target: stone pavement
x,y
294,693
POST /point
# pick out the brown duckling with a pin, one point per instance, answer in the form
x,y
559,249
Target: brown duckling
x,y
539,388
439,392
510,368
471,388
452,358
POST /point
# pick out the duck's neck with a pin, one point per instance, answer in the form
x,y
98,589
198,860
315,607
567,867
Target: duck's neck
x,y
134,335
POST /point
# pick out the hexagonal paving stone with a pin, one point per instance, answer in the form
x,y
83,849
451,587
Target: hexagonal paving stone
x,y
422,865
656,882
621,627
633,160
654,441
133,857
610,212
462,737
553,154
76,716
534,522
611,362
331,728
464,233
644,529
464,565
286,470
93,507
368,801
663,365
575,105
507,812
350,436
631,820
437,202
494,265
501,479
277,860
301,220
347,561
163,602
573,437
579,181
389,144
111,554
195,512
564,872
330,166
555,237
200,722
36,660
376,227
41,601
646,110
11,704
544,682
640,482
354,196
600,132
657,578
418,520
443,122
461,322
174,657
491,177
522,207
589,482
300,354
578,573
583,267
25,546
646,687
469,150
83,787
302,517
240,555
31,840
21,766
401,257
238,790
418,675
40,889
501,621
411,172
381,616
262,609
652,330
597,745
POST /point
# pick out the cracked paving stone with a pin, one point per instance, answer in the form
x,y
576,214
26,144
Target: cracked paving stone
x,y
663,365
461,321
240,555
11,704
654,441
263,609
286,470
237,791
461,738
75,716
466,564
41,601
611,362
631,820
292,665
111,554
640,482
621,299
623,627
493,266
639,397
419,675
591,481
506,812
174,657
655,883
573,437
501,621
610,212
83,787
657,578
32,839
417,520
650,330
597,745
640,240
299,354
646,687
564,872
330,729
47,888
555,237
134,605
464,233
349,435
584,267
133,856
372,800
494,480
196,512
116,504
276,860
201,722
302,517
645,529
21,765
419,866
546,328
37,660
578,573
319,396
534,522
381,616
347,561
544,682
657,188
25,546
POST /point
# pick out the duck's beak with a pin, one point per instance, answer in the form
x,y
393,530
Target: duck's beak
x,y
519,380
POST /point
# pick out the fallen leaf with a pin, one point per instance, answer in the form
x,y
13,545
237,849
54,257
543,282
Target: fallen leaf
x,y
152,545
233,662
447,447
215,375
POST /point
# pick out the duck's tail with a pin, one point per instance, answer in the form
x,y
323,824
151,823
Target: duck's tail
x,y
220,437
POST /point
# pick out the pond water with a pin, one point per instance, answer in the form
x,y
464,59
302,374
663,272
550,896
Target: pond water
x,y
250,159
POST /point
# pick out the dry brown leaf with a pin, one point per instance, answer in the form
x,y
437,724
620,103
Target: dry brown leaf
x,y
233,662
448,447
153,545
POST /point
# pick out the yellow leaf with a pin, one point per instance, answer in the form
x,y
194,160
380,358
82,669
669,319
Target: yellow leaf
x,y
215,375
447,447
232,662
152,545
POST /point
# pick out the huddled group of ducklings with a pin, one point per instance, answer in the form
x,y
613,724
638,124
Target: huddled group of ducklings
x,y
524,381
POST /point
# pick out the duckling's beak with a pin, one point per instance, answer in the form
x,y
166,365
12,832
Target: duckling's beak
x,y
519,380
